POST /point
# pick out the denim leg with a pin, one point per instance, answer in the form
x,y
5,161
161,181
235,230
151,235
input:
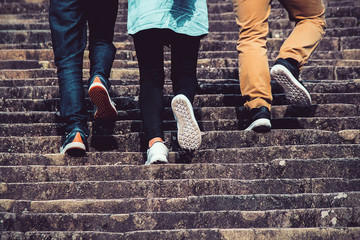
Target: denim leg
x,y
184,55
150,54
101,18
68,32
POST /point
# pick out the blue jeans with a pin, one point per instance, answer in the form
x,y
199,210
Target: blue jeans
x,y
68,20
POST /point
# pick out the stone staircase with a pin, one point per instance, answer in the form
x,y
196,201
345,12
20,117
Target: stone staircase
x,y
300,181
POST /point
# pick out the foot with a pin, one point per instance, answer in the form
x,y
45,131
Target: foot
x,y
157,154
75,143
260,118
287,76
189,135
100,97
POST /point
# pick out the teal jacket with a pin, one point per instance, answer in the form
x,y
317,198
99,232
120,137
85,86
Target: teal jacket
x,y
188,17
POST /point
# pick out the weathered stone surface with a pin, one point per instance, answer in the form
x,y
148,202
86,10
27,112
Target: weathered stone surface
x,y
49,89
203,234
299,218
282,168
215,123
134,142
225,155
343,73
284,234
308,73
173,188
301,183
131,103
192,203
352,135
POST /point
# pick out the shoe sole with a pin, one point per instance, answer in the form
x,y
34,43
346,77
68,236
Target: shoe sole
x,y
76,146
296,93
100,97
189,134
260,125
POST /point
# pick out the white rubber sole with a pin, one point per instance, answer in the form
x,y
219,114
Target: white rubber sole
x,y
260,125
296,93
73,145
100,97
189,134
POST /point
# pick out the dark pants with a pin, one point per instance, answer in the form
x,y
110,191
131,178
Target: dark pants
x,y
149,46
69,37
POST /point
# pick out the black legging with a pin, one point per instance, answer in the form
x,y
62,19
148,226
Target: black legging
x,y
149,46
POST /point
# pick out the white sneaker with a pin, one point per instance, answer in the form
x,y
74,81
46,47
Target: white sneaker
x,y
158,153
189,135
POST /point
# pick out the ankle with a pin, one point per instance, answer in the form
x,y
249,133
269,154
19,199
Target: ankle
x,y
154,140
293,62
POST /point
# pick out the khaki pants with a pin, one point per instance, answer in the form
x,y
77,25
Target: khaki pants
x,y
252,18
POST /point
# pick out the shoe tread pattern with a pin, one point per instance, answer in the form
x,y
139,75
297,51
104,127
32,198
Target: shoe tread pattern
x,y
189,135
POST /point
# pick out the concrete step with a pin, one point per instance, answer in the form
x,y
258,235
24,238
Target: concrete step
x,y
308,73
48,88
215,40
128,126
17,20
327,86
131,103
263,154
202,63
259,202
277,169
351,53
214,25
40,39
226,13
45,55
172,188
39,89
349,233
35,95
205,113
340,217
213,6
134,142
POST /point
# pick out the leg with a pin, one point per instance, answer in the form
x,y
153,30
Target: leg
x,y
294,53
149,52
252,16
184,55
101,18
68,32
308,32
